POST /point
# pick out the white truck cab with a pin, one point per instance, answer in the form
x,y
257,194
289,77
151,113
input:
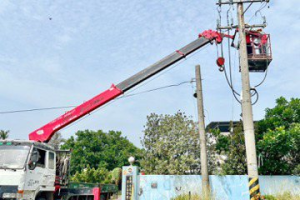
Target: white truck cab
x,y
27,170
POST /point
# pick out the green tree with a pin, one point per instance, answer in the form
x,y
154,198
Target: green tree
x,y
231,146
4,134
56,141
278,136
277,139
171,144
99,150
285,114
280,150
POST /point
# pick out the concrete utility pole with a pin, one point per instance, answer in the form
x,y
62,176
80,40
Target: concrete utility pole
x,y
201,126
246,98
247,113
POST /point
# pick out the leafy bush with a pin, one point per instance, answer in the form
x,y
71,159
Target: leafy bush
x,y
296,171
269,197
116,175
92,175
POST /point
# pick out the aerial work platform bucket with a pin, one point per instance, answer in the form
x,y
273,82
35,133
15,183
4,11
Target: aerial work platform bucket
x,y
259,51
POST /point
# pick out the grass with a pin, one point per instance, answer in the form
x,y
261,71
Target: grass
x,y
191,197
284,196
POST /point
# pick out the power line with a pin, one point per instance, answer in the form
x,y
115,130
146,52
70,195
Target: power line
x,y
263,5
263,80
125,96
36,109
159,88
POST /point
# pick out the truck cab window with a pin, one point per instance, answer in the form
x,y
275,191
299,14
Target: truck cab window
x,y
51,162
13,156
42,158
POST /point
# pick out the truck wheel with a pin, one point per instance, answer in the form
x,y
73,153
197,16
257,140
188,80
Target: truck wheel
x,y
103,197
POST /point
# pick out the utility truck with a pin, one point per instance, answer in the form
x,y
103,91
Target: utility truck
x,y
34,170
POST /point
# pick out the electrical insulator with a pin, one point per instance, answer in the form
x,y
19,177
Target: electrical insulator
x,y
218,23
264,20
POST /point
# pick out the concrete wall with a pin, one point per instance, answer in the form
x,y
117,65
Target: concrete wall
x,y
165,187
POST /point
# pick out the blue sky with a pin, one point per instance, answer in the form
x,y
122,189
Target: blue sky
x,y
60,53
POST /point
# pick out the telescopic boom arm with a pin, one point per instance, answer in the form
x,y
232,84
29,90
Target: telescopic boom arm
x,y
45,133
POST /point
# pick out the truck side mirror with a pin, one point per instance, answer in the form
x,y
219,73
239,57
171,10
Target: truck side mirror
x,y
33,160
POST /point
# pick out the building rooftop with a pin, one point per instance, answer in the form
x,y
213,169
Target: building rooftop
x,y
224,126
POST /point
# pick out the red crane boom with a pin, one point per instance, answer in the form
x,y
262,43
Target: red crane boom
x,y
45,133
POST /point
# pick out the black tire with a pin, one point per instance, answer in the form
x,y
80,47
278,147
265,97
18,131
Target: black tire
x,y
103,197
45,196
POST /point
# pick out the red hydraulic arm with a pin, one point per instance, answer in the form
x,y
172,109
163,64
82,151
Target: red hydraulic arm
x,y
45,133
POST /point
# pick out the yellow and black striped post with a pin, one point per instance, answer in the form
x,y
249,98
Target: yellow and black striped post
x,y
254,189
